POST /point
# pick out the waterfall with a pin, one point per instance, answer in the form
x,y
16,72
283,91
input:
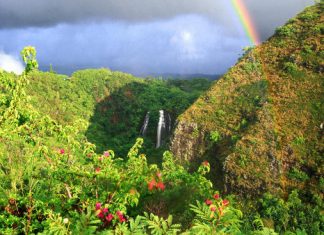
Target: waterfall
x,y
160,128
169,123
163,128
145,124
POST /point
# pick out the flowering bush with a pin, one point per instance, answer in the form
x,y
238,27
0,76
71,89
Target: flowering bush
x,y
216,216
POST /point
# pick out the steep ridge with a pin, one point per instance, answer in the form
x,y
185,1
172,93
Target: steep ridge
x,y
260,124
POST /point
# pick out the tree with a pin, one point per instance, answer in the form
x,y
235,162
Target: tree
x,y
29,57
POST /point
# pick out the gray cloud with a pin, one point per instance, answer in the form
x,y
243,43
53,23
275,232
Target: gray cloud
x,y
17,13
186,44
137,36
267,14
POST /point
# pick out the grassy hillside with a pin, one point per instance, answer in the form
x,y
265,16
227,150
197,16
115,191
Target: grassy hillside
x,y
259,125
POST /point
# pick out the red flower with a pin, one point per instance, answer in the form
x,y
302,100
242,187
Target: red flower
x,y
101,215
213,208
120,217
98,170
109,217
106,154
151,184
62,151
216,196
105,210
160,185
208,202
98,206
102,212
225,202
205,163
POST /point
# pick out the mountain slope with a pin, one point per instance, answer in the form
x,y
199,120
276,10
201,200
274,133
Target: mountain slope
x,y
259,125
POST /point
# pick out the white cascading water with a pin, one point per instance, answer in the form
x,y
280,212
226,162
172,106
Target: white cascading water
x,y
161,127
145,124
169,123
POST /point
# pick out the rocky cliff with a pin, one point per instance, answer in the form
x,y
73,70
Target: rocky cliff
x,y
266,113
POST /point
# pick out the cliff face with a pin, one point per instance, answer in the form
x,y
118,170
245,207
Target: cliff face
x,y
267,111
188,142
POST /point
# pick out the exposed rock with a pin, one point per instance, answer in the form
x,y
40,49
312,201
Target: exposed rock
x,y
188,143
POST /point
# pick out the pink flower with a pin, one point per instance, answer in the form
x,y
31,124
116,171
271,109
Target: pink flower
x,y
109,217
213,208
208,202
106,154
62,151
160,185
216,196
98,170
159,174
98,206
225,202
105,210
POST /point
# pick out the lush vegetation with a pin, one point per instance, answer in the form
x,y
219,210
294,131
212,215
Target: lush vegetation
x,y
111,105
54,182
71,161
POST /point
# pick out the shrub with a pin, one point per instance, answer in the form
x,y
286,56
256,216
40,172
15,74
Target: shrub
x,y
290,68
286,31
299,175
292,215
308,16
215,136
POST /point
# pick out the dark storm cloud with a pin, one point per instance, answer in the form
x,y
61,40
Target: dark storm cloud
x,y
22,13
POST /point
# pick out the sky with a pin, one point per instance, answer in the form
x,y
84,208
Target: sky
x,y
142,37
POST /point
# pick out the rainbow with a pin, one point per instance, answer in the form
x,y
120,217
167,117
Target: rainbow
x,y
246,21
